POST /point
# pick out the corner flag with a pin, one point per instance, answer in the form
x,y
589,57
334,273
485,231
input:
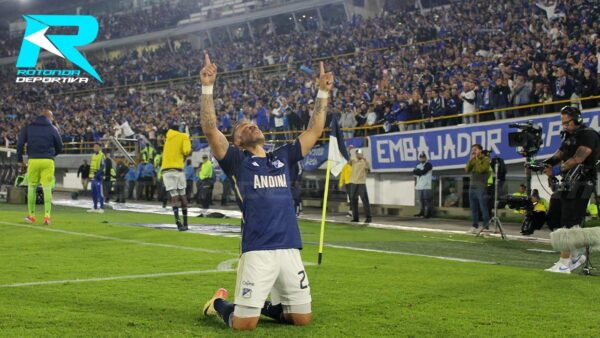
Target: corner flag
x,y
338,155
336,160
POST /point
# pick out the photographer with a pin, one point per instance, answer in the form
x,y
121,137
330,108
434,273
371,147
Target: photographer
x,y
578,153
423,175
479,168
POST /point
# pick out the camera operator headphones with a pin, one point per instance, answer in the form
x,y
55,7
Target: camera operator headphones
x,y
574,113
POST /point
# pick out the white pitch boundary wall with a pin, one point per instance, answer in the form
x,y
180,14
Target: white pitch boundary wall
x,y
399,188
382,188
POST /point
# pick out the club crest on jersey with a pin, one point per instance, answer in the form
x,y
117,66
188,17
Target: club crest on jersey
x,y
246,292
278,164
265,181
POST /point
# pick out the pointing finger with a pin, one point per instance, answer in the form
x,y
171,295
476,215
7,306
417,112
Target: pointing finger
x,y
322,68
206,59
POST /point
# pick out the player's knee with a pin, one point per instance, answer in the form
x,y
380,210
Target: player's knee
x,y
244,324
300,319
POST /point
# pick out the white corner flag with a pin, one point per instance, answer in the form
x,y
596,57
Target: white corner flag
x,y
338,155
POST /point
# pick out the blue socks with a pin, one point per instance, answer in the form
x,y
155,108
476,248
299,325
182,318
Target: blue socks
x,y
273,311
176,213
225,310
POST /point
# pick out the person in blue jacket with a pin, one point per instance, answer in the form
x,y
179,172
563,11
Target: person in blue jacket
x,y
131,177
190,177
147,176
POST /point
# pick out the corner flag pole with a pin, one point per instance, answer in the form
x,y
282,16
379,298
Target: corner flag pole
x,y
322,237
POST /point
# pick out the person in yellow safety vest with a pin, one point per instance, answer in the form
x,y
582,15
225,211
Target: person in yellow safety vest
x,y
205,185
538,204
345,183
96,161
148,154
540,210
522,192
490,191
593,207
97,165
490,181
158,159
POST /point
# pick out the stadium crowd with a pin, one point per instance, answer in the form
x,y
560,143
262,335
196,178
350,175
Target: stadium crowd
x,y
478,55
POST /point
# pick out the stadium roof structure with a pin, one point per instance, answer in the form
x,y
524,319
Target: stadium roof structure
x,y
193,28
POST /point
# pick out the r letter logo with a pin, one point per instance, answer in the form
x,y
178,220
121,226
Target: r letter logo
x,y
61,45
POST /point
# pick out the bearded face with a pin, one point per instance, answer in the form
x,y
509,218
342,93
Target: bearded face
x,y
248,135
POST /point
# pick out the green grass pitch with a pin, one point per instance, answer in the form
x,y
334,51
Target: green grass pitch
x,y
153,283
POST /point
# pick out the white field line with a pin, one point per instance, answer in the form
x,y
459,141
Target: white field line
x,y
543,251
410,254
424,229
132,241
227,265
103,279
453,240
223,266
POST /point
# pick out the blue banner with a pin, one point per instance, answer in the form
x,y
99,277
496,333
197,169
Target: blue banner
x,y
450,147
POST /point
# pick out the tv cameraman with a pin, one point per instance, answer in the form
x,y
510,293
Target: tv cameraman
x,y
479,168
580,145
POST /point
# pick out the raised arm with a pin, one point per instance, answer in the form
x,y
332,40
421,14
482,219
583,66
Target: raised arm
x,y
208,119
317,121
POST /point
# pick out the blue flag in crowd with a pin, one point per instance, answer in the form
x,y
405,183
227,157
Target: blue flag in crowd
x,y
338,155
306,69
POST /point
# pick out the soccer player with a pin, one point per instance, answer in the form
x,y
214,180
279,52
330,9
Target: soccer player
x,y
97,173
43,144
177,147
270,260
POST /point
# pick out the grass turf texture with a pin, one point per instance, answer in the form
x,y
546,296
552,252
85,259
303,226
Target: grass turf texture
x,y
354,293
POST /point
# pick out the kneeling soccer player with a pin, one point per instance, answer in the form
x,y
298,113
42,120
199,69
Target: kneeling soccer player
x,y
270,262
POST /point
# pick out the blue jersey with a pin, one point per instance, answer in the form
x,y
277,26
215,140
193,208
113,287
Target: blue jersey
x,y
263,192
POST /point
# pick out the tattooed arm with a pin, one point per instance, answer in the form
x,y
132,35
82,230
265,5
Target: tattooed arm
x,y
581,154
208,118
317,121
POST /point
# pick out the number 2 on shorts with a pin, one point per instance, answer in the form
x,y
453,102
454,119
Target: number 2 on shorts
x,y
302,280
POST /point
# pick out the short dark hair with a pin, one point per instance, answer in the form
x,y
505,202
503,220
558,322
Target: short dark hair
x,y
235,126
573,112
478,146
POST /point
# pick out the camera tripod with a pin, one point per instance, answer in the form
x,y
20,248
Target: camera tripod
x,y
495,220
